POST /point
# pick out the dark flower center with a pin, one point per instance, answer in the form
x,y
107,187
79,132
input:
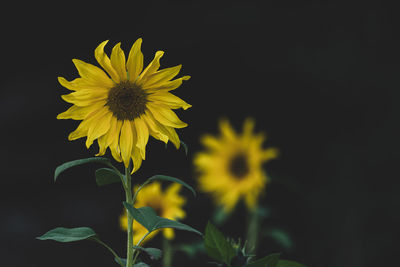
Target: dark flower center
x,y
127,101
239,166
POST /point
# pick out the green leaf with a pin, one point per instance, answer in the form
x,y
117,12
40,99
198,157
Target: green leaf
x,y
62,234
121,259
286,263
105,176
141,264
154,253
147,217
170,179
190,249
78,162
185,147
268,261
216,245
280,236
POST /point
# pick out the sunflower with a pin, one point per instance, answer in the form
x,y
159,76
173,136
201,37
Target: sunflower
x,y
123,104
231,167
167,204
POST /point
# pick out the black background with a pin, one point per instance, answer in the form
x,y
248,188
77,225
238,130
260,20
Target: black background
x,y
321,78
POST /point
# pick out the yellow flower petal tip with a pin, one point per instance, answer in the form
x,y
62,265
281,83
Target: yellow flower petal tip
x,y
231,167
105,96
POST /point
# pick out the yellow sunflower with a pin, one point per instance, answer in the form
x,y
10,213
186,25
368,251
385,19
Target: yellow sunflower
x,y
123,104
167,204
231,167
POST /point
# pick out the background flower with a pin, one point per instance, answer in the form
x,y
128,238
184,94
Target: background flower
x,y
231,168
167,203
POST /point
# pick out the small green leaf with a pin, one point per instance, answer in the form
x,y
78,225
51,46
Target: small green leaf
x,y
170,179
268,261
280,236
62,234
286,263
216,245
141,264
121,259
154,253
147,217
78,162
105,176
185,147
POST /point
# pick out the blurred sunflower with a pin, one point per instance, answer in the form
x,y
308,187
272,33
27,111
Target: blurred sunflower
x,y
167,204
231,167
123,105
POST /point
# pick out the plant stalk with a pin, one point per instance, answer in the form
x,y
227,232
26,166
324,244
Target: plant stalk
x,y
252,230
167,253
128,194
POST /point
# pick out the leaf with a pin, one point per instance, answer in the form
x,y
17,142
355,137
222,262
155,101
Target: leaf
x,y
185,147
121,259
141,264
190,249
147,217
280,237
105,176
62,234
216,245
268,261
286,263
170,179
78,162
154,253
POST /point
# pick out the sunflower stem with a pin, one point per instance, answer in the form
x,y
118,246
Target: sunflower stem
x,y
167,253
252,229
129,199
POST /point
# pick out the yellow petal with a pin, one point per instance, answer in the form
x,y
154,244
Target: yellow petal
x,y
173,136
84,97
79,113
81,84
211,142
134,64
118,61
114,146
151,68
162,76
142,135
105,62
126,142
167,86
166,116
227,130
99,127
248,127
107,139
92,74
169,233
136,158
270,153
83,127
154,130
169,100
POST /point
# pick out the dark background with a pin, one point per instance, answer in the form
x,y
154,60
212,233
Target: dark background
x,y
320,78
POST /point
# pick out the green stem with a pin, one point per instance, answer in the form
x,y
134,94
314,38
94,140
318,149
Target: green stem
x,y
138,243
252,230
167,253
128,194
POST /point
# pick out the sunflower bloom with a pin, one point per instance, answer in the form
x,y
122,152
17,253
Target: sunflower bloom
x,y
122,104
167,204
231,167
